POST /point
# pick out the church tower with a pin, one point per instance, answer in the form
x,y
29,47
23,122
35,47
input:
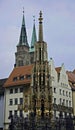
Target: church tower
x,y
33,41
41,91
22,54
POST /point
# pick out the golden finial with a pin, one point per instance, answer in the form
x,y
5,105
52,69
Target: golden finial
x,y
40,16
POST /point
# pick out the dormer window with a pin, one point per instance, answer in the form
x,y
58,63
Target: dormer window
x,y
28,76
15,79
22,77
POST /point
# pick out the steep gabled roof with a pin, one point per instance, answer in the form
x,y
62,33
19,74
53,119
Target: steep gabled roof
x,y
58,69
71,79
19,76
71,76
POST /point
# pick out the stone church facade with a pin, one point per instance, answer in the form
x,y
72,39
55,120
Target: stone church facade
x,y
25,54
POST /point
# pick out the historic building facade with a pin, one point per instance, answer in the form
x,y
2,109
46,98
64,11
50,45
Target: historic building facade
x,y
17,93
18,84
35,85
71,79
62,91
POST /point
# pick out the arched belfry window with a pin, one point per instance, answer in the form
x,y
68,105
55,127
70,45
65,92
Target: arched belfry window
x,y
20,63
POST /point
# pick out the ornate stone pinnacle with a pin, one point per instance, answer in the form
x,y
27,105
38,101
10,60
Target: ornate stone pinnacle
x,y
40,17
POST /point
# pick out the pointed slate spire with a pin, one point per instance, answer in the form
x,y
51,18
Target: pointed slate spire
x,y
34,38
40,27
23,34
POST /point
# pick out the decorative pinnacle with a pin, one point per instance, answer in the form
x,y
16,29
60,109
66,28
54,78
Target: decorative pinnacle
x,y
40,17
23,10
34,19
40,27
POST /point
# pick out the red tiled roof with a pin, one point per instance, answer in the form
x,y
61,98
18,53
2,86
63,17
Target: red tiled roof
x,y
71,76
58,69
17,73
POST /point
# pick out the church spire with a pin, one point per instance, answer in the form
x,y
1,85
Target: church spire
x,y
34,38
40,27
23,34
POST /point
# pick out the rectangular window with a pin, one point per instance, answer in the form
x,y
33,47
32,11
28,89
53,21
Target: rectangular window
x,y
54,90
16,101
15,112
67,93
60,101
67,103
10,113
63,92
21,101
63,102
21,90
10,102
54,100
60,91
65,114
21,113
11,91
16,90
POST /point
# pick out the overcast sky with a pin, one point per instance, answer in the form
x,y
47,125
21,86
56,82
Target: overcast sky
x,y
58,30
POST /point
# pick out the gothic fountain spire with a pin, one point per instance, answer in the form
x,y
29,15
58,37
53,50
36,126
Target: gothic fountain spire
x,y
40,27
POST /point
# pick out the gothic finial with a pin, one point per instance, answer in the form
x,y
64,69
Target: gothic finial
x,y
40,27
34,18
40,17
23,10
